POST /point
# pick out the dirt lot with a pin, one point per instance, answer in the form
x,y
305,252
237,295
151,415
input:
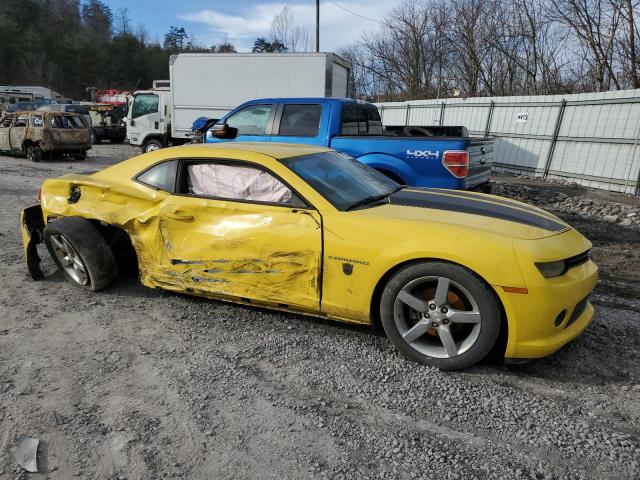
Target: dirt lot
x,y
158,385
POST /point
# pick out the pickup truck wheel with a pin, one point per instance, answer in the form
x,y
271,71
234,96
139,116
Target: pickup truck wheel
x,y
440,314
34,153
152,146
80,253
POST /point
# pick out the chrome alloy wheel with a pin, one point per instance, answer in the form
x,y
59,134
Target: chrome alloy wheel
x,y
69,259
437,317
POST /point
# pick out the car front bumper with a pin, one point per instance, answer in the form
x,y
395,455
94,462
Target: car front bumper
x,y
554,311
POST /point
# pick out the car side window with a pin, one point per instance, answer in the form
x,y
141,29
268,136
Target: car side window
x,y
234,181
300,120
161,176
251,120
354,120
6,122
21,121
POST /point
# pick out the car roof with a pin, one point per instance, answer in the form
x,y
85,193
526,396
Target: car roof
x,y
276,150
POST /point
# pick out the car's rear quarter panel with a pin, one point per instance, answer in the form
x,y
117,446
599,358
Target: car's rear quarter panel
x,y
419,159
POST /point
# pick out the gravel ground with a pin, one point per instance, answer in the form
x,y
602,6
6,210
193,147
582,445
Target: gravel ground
x,y
158,385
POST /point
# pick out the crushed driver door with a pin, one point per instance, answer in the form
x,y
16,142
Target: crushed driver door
x,y
251,251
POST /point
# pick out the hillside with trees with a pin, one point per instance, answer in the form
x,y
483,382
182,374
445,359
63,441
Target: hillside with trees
x,y
420,49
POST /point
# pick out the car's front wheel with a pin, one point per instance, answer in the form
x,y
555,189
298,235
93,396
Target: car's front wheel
x,y
80,253
440,314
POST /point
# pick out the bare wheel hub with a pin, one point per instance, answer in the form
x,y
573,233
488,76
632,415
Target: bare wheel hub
x,y
69,259
437,317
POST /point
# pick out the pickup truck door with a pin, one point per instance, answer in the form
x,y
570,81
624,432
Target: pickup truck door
x,y
302,123
18,131
255,250
5,128
253,122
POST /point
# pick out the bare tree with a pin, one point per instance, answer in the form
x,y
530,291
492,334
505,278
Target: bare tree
x,y
595,25
429,48
285,30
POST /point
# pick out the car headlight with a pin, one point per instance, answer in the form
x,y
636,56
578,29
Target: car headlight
x,y
552,269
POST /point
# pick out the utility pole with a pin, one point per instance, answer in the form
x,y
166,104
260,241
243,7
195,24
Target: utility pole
x,y
317,26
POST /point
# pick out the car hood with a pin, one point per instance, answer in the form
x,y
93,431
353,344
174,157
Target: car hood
x,y
477,211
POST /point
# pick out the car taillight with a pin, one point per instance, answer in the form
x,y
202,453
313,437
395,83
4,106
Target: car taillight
x,y
457,162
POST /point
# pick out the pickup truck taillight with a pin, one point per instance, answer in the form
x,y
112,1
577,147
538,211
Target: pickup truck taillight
x,y
457,162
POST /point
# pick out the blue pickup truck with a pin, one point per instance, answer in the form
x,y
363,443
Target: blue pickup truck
x,y
428,156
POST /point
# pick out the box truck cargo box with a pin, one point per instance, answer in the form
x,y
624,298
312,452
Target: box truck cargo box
x,y
212,84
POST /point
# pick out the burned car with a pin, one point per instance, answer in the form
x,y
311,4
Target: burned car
x,y
41,135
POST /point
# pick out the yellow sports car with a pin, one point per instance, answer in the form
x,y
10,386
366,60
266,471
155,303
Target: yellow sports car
x,y
452,276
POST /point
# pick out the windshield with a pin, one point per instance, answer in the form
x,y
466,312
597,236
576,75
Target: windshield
x,y
340,179
144,104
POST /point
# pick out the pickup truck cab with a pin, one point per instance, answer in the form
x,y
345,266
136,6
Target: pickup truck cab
x,y
421,156
39,134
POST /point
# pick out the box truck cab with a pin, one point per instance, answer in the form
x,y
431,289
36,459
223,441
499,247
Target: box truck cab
x,y
149,119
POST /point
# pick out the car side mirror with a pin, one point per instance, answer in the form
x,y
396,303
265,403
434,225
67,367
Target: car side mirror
x,y
224,131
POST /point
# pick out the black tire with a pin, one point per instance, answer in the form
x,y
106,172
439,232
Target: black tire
x,y
95,139
94,259
471,341
34,153
152,145
392,176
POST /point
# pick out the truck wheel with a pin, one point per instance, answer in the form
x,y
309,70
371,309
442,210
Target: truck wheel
x,y
80,253
95,140
440,314
392,176
152,146
34,153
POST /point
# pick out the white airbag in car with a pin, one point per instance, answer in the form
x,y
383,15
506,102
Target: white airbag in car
x,y
237,182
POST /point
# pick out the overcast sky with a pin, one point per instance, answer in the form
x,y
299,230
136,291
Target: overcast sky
x,y
244,20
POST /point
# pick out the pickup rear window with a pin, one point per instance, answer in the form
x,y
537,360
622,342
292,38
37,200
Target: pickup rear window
x,y
361,120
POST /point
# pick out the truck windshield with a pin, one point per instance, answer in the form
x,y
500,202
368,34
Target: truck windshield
x,y
342,180
144,104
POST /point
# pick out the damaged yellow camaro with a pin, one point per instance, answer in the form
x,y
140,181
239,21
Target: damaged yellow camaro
x,y
450,275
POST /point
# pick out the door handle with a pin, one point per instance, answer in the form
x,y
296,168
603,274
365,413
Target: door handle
x,y
180,216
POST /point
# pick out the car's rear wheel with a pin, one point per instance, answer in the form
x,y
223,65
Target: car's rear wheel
x,y
95,139
80,253
440,314
34,153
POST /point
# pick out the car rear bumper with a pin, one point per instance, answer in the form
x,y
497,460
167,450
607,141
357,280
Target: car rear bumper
x,y
31,227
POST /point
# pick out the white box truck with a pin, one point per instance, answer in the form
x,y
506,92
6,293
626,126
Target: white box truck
x,y
211,84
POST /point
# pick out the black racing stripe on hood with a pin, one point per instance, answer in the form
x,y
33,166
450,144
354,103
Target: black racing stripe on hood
x,y
426,199
460,193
